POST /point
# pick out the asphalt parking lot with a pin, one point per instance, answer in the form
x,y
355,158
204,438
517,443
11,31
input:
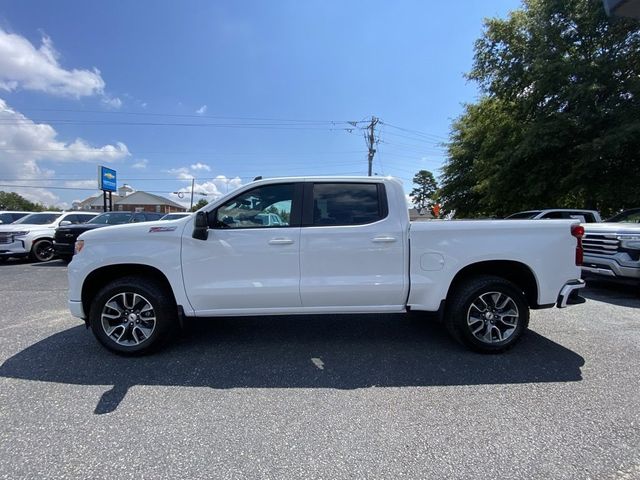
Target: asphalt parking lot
x,y
375,396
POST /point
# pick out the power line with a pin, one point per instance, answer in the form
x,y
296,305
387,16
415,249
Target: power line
x,y
416,132
416,138
249,126
182,115
185,152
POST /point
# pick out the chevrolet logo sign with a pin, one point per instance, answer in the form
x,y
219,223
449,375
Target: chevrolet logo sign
x,y
110,176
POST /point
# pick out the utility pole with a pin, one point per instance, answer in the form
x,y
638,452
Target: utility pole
x,y
193,181
370,137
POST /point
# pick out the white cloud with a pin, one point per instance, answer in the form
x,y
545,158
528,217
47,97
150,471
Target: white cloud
x,y
22,65
214,189
24,145
201,166
141,164
112,102
89,184
410,203
187,173
202,110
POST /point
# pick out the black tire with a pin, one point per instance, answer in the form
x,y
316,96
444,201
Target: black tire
x,y
163,309
42,250
492,330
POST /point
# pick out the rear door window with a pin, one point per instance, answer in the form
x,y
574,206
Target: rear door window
x,y
347,203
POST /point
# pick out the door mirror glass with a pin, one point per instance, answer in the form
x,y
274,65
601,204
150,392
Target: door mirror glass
x,y
200,226
64,223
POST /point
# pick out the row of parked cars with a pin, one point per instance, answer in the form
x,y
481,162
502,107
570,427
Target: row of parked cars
x,y
611,248
42,236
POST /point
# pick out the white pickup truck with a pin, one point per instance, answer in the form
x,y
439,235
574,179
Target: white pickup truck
x,y
346,246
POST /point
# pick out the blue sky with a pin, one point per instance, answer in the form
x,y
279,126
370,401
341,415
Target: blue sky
x,y
257,88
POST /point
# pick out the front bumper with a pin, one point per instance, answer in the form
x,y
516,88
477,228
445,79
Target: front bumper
x,y
17,248
610,267
569,293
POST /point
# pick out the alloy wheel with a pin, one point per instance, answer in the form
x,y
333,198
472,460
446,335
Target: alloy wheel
x,y
128,319
493,317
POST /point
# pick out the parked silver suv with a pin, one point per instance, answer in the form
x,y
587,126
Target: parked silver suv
x,y
584,216
612,248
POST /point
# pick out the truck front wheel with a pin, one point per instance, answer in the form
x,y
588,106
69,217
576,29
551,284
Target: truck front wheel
x,y
132,315
487,314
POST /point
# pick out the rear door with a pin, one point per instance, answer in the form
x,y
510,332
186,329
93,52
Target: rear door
x,y
351,249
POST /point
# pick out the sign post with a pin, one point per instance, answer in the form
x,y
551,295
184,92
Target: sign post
x,y
107,182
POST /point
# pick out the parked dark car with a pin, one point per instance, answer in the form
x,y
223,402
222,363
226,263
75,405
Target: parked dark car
x,y
627,216
176,215
65,237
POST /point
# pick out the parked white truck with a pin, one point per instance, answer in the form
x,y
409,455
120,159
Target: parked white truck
x,y
346,246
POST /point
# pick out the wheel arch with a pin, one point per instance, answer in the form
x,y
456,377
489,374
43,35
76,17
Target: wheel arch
x,y
516,272
103,275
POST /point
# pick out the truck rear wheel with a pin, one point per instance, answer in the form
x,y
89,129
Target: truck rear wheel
x,y
132,315
487,314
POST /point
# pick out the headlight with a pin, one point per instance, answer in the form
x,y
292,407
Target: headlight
x,y
631,244
79,246
630,241
20,234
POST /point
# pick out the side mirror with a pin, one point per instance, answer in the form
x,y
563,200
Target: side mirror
x,y
64,223
200,226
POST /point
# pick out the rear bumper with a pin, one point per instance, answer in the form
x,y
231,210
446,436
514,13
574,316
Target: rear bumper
x,y
63,248
76,309
569,293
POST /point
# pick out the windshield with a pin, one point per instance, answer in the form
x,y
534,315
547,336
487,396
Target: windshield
x,y
39,218
112,218
523,215
6,218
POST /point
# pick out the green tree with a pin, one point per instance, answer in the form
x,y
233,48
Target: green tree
x,y
559,121
13,201
423,194
201,203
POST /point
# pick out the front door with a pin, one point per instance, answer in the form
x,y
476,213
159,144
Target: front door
x,y
250,260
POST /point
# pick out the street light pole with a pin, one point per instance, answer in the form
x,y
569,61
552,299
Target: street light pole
x,y
193,181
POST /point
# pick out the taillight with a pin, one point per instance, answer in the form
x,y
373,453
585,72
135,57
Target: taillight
x,y
578,232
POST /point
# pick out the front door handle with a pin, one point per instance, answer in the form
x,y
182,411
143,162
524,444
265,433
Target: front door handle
x,y
384,239
280,241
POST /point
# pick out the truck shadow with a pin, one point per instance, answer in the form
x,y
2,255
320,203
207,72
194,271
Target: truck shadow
x,y
339,352
615,293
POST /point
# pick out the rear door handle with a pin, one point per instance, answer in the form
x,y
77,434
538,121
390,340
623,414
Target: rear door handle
x,y
384,239
280,241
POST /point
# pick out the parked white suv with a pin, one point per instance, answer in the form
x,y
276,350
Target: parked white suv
x,y
32,235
